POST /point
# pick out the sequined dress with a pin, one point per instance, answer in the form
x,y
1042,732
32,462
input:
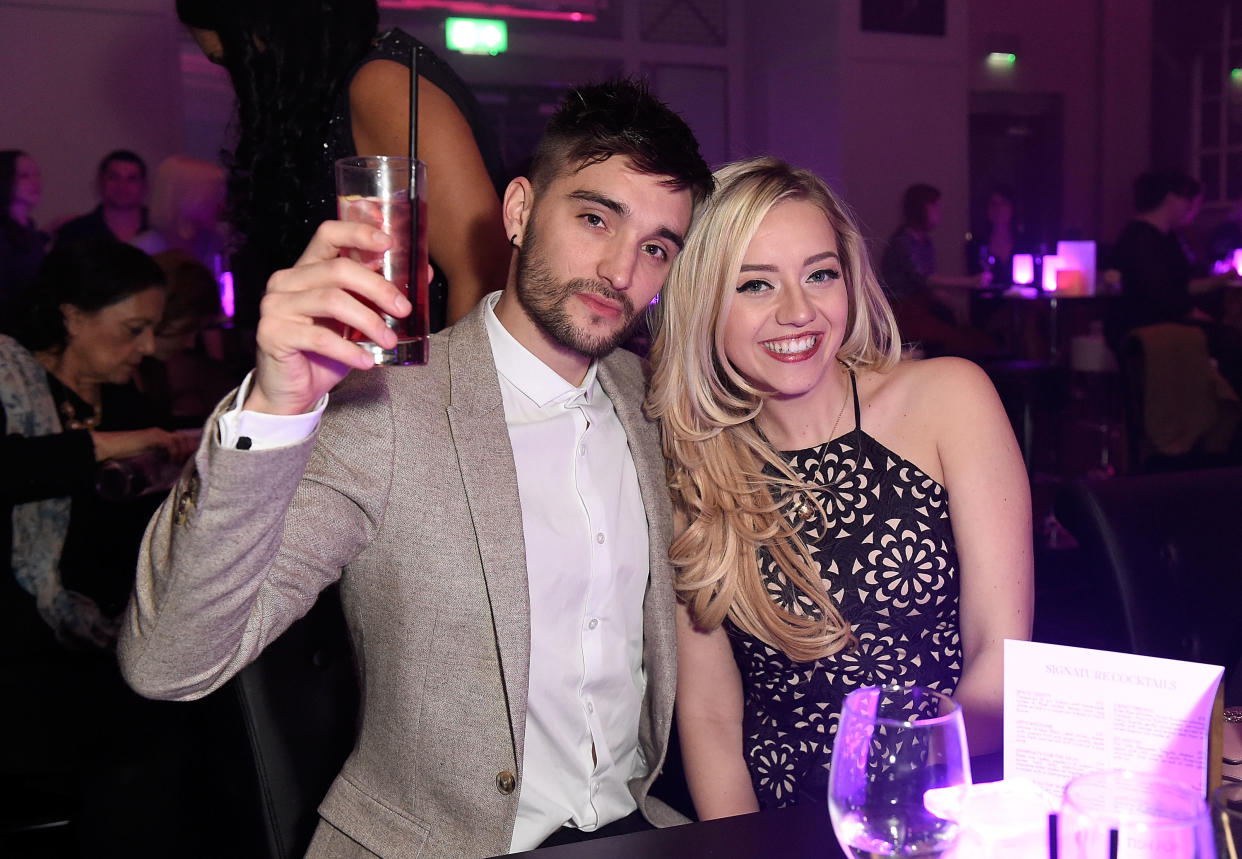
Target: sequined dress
x,y
398,46
887,557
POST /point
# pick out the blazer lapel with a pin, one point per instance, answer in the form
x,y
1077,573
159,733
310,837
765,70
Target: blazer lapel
x,y
476,420
659,606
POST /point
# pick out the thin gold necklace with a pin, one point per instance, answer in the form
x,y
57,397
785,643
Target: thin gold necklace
x,y
805,509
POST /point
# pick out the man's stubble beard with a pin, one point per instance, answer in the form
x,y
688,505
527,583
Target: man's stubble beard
x,y
544,298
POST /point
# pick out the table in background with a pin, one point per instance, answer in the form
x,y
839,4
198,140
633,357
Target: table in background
x,y
1039,327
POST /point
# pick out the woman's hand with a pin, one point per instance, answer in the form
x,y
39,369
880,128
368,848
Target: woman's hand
x,y
125,443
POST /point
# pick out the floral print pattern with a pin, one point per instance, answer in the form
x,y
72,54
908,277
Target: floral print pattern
x,y
885,550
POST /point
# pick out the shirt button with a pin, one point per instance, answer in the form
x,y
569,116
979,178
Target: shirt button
x,y
593,623
582,450
594,787
599,538
505,782
590,706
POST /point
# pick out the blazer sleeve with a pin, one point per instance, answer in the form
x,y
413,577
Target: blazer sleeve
x,y
245,542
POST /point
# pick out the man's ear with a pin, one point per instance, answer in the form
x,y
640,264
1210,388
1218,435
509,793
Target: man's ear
x,y
516,208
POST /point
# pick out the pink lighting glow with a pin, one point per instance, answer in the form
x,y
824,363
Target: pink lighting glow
x,y
1023,269
1052,264
1237,260
476,8
228,303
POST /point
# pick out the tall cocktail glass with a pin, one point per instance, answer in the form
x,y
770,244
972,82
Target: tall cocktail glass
x,y
375,190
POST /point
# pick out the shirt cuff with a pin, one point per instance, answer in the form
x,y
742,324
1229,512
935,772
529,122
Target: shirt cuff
x,y
245,430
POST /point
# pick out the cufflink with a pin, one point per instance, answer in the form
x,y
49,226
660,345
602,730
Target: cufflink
x,y
244,442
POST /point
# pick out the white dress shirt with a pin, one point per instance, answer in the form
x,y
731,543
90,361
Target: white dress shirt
x,y
585,530
586,566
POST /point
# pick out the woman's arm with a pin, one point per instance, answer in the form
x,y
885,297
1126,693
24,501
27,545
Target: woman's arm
x,y
990,509
709,722
465,233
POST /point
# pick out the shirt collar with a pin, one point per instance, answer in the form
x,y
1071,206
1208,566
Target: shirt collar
x,y
535,379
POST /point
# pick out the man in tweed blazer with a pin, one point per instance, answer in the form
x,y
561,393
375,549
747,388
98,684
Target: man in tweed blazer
x,y
498,518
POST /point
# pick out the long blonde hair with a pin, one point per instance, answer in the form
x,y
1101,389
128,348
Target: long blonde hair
x,y
716,455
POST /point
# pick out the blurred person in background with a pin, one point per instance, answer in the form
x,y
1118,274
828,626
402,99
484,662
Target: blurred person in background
x,y
69,404
314,83
186,211
135,779
121,182
22,243
915,287
992,248
1158,283
184,374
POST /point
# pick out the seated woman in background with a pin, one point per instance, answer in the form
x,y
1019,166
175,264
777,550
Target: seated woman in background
x,y
810,563
916,288
69,404
992,248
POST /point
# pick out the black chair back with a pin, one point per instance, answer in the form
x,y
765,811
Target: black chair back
x,y
1170,543
299,701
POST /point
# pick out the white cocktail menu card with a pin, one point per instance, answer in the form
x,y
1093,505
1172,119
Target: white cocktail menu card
x,y
1071,710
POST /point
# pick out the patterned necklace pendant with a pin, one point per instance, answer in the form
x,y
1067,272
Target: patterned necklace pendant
x,y
805,510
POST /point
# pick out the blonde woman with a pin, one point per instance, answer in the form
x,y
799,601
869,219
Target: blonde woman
x,y
846,518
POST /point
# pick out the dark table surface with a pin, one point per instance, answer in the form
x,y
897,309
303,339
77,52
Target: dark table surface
x,y
791,833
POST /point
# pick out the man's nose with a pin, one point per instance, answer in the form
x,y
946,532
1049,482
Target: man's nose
x,y
617,266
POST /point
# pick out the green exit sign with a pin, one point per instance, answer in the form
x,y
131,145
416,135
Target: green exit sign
x,y
476,35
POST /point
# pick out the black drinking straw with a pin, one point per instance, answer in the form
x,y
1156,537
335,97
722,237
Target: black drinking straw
x,y
1053,841
1114,843
413,189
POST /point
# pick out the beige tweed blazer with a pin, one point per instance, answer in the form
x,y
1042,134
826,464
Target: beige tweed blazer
x,y
408,494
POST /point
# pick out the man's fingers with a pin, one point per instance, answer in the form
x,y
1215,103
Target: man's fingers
x,y
332,237
338,274
317,340
326,308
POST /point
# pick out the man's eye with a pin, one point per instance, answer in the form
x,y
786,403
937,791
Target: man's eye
x,y
656,251
593,220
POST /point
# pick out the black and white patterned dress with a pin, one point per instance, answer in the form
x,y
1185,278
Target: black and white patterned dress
x,y
887,557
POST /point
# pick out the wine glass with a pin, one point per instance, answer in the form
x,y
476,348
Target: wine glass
x,y
1227,820
1130,815
894,744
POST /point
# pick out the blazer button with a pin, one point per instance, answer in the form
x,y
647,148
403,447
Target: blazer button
x,y
505,782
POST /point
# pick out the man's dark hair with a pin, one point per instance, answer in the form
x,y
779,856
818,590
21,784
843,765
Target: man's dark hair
x,y
125,155
914,203
1151,188
620,117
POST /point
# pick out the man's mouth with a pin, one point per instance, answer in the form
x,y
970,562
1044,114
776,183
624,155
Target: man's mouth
x,y
602,305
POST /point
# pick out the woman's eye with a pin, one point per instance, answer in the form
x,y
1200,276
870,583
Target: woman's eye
x,y
824,274
754,286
